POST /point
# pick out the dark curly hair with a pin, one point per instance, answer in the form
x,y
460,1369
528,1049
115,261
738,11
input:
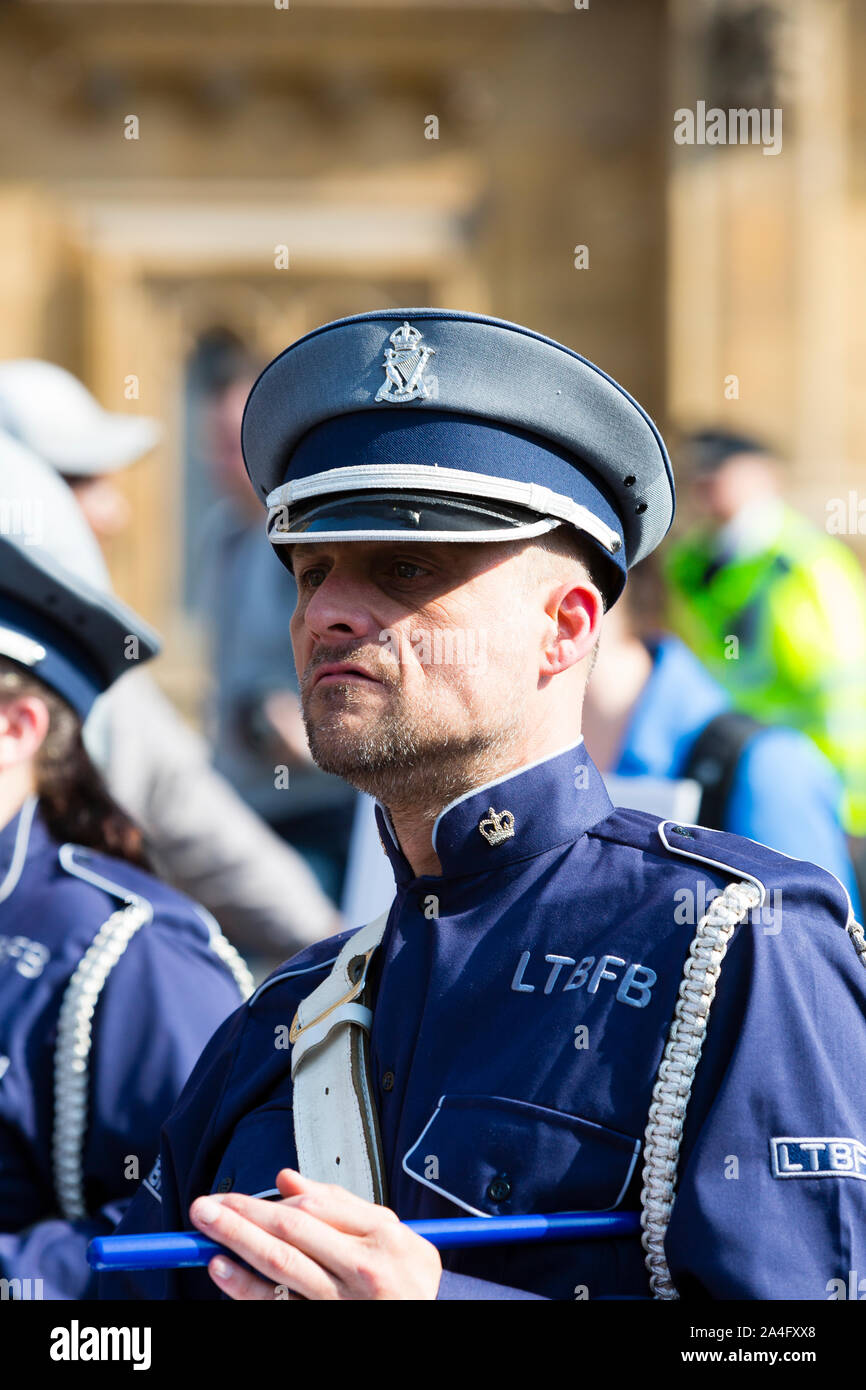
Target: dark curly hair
x,y
73,799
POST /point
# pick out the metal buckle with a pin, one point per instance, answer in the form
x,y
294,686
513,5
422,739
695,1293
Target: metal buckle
x,y
296,1029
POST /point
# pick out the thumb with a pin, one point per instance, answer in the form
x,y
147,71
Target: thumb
x,y
291,1183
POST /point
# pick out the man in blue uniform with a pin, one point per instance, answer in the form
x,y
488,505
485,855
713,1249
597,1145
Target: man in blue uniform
x,y
110,982
459,499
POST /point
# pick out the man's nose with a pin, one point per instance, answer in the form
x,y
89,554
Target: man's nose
x,y
339,605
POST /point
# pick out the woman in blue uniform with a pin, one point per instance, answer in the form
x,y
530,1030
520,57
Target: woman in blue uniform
x,y
110,982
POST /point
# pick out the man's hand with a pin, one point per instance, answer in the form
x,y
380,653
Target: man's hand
x,y
318,1242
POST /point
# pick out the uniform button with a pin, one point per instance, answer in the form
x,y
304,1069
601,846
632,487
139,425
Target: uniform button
x,y
388,1081
225,1185
499,1189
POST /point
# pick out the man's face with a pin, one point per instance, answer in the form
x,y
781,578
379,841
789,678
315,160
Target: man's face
x,y
106,509
446,656
742,478
222,418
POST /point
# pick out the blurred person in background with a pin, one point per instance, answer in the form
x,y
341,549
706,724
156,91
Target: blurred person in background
x,y
773,607
201,836
368,887
247,598
111,983
667,738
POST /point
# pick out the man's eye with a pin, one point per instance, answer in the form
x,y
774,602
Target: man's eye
x,y
310,578
401,567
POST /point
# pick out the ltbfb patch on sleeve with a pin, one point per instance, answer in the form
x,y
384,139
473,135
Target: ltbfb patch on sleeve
x,y
153,1181
818,1158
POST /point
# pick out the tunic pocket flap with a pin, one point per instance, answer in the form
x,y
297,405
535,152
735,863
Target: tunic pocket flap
x,y
493,1156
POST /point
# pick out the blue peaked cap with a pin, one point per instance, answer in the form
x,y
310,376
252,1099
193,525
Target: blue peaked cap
x,y
450,426
71,636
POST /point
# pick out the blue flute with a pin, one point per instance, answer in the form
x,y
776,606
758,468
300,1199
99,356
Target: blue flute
x,y
183,1249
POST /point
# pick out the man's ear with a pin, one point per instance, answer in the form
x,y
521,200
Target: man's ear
x,y
24,723
575,609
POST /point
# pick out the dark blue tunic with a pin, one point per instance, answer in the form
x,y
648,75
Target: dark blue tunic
x,y
159,1005
523,1004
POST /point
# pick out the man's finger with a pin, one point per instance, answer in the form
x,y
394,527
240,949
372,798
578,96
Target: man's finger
x,y
341,1209
242,1284
256,1236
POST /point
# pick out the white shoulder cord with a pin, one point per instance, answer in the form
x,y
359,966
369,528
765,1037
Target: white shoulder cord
x,y
858,940
74,1039
676,1073
75,1022
228,954
677,1070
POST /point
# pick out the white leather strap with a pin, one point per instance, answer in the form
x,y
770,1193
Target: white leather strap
x,y
336,1126
316,1033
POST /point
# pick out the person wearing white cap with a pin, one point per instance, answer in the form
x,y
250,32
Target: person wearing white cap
x,y
202,836
54,414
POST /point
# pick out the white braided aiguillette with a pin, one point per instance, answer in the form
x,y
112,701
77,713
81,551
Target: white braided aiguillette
x,y
72,1051
858,939
235,962
676,1073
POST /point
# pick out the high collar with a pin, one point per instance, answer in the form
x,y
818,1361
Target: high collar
x,y
553,801
15,846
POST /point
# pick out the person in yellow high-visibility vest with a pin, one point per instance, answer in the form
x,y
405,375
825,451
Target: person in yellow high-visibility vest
x,y
774,607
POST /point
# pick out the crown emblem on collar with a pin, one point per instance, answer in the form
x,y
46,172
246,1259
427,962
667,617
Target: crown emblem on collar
x,y
497,826
404,366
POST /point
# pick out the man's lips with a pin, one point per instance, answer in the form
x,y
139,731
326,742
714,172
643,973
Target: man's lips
x,y
341,672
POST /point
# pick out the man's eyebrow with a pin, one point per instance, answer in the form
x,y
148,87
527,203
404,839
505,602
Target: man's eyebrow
x,y
311,551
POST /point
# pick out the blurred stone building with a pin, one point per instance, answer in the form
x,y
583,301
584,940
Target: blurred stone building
x,y
258,166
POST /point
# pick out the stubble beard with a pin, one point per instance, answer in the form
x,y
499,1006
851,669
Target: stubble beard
x,y
406,756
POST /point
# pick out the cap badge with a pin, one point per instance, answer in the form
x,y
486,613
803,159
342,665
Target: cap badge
x,y
497,826
404,367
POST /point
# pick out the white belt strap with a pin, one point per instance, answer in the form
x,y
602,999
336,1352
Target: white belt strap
x,y
336,1125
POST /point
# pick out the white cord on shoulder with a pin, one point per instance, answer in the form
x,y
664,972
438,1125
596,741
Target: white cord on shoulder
x,y
228,954
858,940
676,1073
231,957
72,1051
